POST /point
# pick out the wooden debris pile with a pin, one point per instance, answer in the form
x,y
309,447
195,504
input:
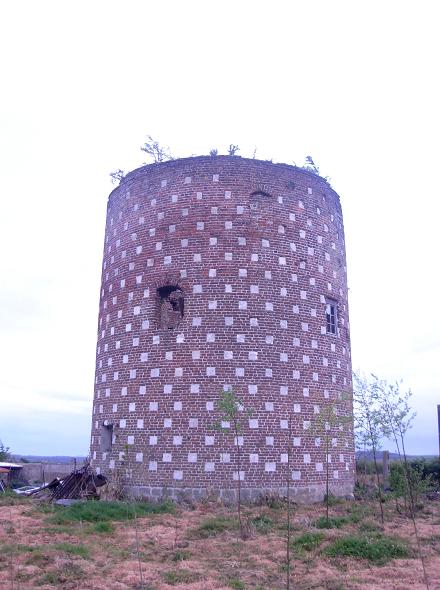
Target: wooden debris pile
x,y
81,484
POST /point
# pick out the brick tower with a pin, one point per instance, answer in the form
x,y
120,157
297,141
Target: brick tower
x,y
223,272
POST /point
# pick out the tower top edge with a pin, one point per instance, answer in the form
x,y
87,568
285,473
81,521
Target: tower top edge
x,y
225,162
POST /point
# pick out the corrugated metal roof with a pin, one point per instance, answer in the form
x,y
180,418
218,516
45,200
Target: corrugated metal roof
x,y
10,465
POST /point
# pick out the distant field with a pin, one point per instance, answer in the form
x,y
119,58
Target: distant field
x,y
368,455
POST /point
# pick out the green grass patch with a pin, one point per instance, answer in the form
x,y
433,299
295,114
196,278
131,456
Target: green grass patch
x,y
213,526
80,550
333,500
273,501
180,556
182,576
40,559
46,508
69,572
117,552
69,529
334,585
263,523
368,527
377,548
95,511
359,510
102,527
11,548
308,541
10,498
236,584
332,522
37,555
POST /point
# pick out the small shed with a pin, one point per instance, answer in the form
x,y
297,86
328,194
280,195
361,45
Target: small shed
x,y
9,472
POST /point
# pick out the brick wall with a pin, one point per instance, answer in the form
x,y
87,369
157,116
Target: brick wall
x,y
217,273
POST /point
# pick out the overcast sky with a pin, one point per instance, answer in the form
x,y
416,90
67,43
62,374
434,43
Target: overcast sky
x,y
355,84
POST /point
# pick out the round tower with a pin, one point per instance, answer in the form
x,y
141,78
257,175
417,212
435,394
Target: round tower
x,y
224,272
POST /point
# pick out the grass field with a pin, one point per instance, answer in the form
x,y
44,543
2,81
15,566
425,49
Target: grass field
x,y
140,546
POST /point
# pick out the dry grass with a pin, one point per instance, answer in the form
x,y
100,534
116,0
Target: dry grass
x,y
200,549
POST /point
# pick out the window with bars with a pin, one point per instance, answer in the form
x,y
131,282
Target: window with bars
x,y
331,316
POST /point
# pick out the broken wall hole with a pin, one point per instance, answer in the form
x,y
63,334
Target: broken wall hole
x,y
171,306
259,194
260,202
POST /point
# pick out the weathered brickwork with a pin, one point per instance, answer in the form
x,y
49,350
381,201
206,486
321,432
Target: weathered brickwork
x,y
219,272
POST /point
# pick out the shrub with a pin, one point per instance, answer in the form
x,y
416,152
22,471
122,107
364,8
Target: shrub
x,y
417,481
429,469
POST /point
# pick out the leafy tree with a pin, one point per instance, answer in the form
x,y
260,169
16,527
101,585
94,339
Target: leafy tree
x,y
396,414
331,416
414,476
396,418
368,422
232,410
4,452
155,151
430,469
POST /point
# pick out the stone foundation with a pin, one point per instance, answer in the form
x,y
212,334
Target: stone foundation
x,y
301,495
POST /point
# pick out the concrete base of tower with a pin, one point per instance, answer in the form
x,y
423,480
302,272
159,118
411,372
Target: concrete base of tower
x,y
301,495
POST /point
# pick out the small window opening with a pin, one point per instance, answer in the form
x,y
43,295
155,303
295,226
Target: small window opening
x,y
106,437
331,316
171,306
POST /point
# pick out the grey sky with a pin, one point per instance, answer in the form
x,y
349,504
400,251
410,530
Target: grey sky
x,y
82,84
